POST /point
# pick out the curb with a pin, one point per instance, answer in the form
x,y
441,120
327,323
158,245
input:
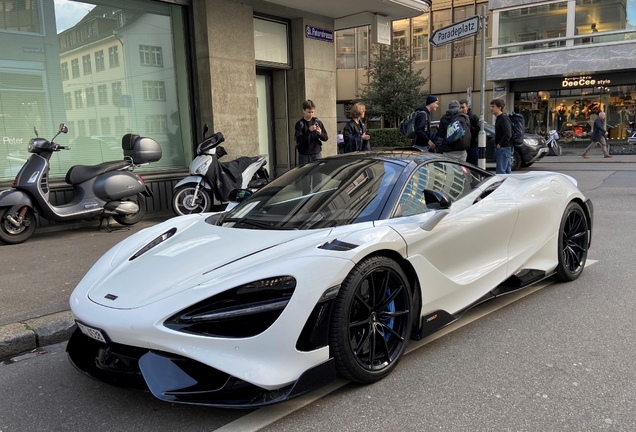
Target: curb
x,y
33,333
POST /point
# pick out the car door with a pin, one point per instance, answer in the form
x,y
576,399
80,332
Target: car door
x,y
465,255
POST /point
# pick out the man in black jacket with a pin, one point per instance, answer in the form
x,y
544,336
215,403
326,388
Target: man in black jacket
x,y
423,125
503,137
472,154
598,136
457,148
309,135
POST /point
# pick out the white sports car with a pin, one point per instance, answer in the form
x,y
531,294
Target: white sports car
x,y
329,269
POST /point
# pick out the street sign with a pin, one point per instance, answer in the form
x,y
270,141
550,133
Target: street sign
x,y
454,32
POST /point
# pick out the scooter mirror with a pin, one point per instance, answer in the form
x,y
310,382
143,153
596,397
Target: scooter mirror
x,y
63,128
205,130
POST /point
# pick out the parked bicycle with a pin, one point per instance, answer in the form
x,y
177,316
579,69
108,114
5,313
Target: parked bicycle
x,y
553,143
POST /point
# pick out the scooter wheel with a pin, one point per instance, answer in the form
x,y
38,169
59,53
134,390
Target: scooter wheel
x,y
11,234
133,218
183,201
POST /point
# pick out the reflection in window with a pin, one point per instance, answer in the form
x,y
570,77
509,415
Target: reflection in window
x,y
594,18
150,55
420,37
105,126
75,68
102,94
68,101
533,23
20,16
79,102
362,44
86,62
113,56
154,90
401,35
65,75
463,47
99,61
90,97
442,19
345,49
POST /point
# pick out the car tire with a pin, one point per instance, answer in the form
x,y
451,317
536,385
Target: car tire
x,y
9,234
133,218
182,203
371,320
516,160
574,240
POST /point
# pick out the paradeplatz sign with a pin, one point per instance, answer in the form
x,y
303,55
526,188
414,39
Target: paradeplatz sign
x,y
454,32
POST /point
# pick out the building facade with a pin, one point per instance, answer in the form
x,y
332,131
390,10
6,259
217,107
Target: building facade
x,y
559,63
165,68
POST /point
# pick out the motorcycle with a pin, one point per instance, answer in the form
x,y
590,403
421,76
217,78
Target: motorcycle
x,y
211,182
555,148
107,189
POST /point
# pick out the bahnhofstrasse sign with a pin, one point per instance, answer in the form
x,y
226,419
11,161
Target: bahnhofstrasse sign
x,y
584,81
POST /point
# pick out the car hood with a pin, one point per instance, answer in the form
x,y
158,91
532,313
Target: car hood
x,y
181,262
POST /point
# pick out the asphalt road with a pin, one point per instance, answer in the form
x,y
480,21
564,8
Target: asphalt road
x,y
558,359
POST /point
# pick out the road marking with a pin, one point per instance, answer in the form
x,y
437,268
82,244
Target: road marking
x,y
263,417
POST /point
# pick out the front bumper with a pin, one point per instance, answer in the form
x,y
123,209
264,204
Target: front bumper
x,y
177,379
533,154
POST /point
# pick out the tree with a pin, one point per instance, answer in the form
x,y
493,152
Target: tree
x,y
394,88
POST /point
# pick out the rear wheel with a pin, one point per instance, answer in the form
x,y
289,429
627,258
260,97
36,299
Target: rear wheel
x,y
11,233
574,239
371,321
183,201
136,217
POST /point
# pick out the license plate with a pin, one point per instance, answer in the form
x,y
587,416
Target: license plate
x,y
91,332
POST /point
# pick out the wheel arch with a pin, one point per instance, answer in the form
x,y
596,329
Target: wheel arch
x,y
588,209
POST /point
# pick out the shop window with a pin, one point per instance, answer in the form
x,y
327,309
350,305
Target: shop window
x,y
441,19
345,49
94,104
419,30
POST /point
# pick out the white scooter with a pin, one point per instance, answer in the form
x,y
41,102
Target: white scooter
x,y
210,181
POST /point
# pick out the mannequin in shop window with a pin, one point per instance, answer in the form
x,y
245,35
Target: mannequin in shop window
x,y
561,116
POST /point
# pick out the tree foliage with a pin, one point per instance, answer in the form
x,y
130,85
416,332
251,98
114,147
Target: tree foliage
x,y
394,88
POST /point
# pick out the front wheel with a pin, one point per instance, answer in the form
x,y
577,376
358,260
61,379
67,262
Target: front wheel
x,y
136,217
184,202
555,148
371,321
515,163
574,240
12,233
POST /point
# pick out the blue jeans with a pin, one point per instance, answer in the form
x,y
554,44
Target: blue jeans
x,y
503,156
472,155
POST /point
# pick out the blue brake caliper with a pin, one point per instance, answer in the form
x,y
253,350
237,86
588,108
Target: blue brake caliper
x,y
391,308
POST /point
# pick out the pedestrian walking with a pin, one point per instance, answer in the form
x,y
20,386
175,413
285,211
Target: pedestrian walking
x,y
598,136
355,134
458,142
423,127
503,137
472,154
310,133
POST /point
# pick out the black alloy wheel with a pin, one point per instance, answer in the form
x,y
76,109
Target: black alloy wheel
x,y
371,321
574,240
133,218
12,234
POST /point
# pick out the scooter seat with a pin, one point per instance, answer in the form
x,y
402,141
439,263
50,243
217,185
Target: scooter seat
x,y
81,173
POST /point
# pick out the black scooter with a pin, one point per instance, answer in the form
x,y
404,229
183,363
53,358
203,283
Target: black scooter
x,y
107,189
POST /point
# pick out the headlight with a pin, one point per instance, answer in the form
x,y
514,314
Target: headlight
x,y
532,142
202,169
244,311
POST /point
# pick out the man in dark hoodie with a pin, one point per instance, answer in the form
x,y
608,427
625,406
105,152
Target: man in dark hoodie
x,y
309,135
472,154
454,148
423,125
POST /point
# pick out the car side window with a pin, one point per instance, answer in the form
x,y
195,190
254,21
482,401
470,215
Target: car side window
x,y
451,178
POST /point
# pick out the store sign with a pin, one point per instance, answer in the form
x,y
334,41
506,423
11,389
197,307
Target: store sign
x,y
463,29
584,81
501,88
11,140
318,33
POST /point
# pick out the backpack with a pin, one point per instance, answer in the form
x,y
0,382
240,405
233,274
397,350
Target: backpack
x,y
518,127
457,132
408,124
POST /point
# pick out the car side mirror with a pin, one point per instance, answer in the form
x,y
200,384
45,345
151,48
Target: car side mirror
x,y
436,200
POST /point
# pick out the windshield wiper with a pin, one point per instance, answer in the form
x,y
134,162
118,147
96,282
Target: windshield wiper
x,y
252,222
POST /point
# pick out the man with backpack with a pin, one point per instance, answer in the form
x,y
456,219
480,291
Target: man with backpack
x,y
503,137
472,154
423,123
453,133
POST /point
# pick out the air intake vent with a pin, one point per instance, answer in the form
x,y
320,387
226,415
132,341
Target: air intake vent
x,y
44,183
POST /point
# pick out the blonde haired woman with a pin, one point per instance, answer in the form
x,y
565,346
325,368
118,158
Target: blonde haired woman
x,y
356,137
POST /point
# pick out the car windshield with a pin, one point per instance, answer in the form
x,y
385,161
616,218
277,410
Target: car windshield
x,y
320,194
